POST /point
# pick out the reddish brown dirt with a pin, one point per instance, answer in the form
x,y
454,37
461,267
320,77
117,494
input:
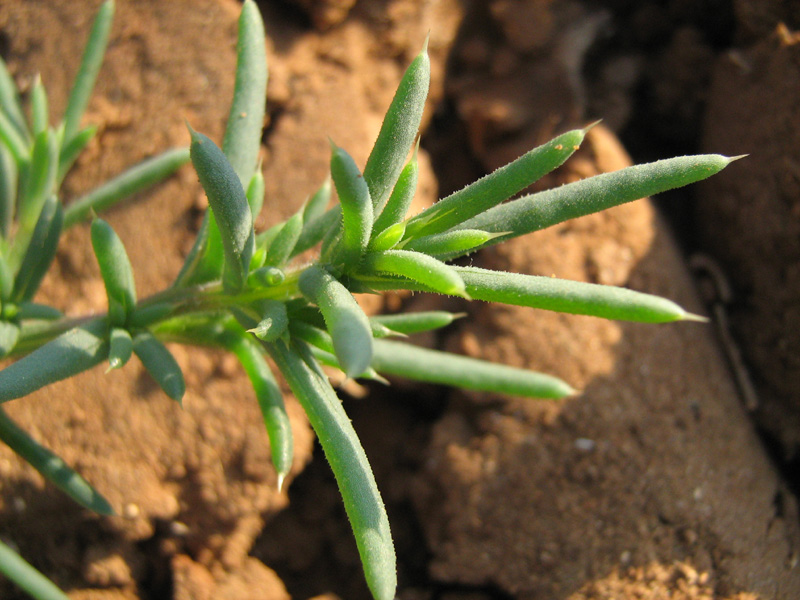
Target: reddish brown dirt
x,y
650,484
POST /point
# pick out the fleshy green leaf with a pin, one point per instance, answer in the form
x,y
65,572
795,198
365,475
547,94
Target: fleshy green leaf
x,y
460,241
211,330
274,320
120,348
41,251
433,366
70,151
13,566
87,72
40,180
9,179
572,297
136,179
243,134
356,206
40,113
401,197
10,106
399,129
316,230
270,401
422,268
496,187
280,249
160,363
228,202
416,322
543,209
9,334
349,464
388,238
14,141
255,193
38,312
346,322
316,205
52,467
206,258
71,353
116,270
266,276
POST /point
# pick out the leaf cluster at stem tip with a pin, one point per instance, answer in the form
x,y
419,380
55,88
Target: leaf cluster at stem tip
x,y
264,297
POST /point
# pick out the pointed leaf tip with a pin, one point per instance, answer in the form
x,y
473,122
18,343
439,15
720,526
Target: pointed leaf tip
x,y
592,125
693,317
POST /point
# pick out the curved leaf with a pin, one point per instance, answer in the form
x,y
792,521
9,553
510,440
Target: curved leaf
x,y
52,467
346,322
344,452
71,353
432,366
228,202
246,120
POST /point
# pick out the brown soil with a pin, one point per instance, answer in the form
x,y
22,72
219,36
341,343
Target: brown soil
x,y
650,484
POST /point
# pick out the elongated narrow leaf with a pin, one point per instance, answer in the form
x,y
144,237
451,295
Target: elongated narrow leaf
x,y
40,252
346,322
9,334
496,187
26,577
401,197
280,249
274,320
70,152
316,205
537,211
10,105
6,280
243,134
9,179
399,129
356,206
349,464
136,179
120,348
206,258
312,335
40,180
225,332
160,363
40,113
459,241
328,359
567,296
321,346
116,270
413,362
388,238
14,142
228,202
87,72
52,467
255,193
314,232
416,322
71,353
422,268
38,312
270,401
